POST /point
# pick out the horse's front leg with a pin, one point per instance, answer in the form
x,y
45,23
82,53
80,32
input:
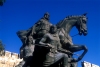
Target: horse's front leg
x,y
82,55
75,48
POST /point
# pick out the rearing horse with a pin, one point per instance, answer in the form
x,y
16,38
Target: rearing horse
x,y
66,25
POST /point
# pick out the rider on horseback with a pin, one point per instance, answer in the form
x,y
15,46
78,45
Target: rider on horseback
x,y
42,26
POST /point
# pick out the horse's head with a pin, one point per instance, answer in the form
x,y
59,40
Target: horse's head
x,y
70,21
81,25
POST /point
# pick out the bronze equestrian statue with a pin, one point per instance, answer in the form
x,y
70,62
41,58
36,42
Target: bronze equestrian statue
x,y
42,27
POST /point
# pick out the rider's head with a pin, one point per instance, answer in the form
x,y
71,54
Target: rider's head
x,y
46,15
53,29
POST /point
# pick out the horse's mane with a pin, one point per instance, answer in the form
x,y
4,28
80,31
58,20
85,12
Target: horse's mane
x,y
67,18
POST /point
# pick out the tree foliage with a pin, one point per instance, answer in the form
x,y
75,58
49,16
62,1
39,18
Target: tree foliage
x,y
2,2
2,48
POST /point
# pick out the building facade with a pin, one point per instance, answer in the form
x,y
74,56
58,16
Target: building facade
x,y
10,59
88,64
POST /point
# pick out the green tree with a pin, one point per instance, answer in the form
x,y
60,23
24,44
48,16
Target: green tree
x,y
1,2
2,48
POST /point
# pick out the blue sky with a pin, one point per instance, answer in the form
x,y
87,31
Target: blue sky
x,y
18,15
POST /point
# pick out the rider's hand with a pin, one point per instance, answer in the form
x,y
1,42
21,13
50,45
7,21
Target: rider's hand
x,y
49,45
